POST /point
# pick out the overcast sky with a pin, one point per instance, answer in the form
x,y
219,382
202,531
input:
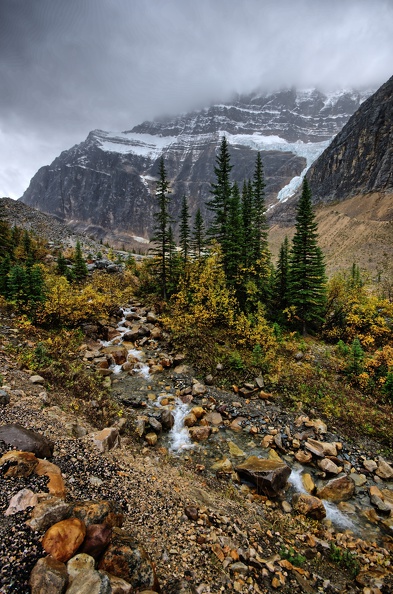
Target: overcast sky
x,y
70,66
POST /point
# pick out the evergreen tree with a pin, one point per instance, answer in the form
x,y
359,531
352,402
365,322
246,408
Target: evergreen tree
x,y
79,267
281,280
233,241
198,240
5,267
4,233
161,228
307,280
184,231
61,263
259,237
221,195
248,226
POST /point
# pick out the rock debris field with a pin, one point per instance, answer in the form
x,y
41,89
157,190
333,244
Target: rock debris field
x,y
265,501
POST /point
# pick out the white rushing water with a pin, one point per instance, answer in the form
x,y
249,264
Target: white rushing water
x,y
179,437
332,512
140,367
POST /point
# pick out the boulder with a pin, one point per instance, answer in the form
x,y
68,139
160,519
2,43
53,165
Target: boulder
x,y
199,433
117,352
48,576
49,512
21,501
384,470
18,463
98,537
329,466
125,558
80,562
303,457
338,489
106,439
4,398
63,539
90,582
167,419
26,440
99,512
270,476
214,418
151,438
56,483
321,448
198,389
309,506
37,379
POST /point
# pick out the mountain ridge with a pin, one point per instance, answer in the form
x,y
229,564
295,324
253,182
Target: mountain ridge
x,y
105,185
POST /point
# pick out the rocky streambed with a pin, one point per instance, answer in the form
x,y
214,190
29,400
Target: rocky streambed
x,y
225,491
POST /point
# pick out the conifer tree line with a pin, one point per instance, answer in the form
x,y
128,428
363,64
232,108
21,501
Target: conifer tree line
x,y
294,291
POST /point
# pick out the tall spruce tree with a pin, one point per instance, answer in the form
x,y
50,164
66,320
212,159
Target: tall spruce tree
x,y
248,226
184,231
259,237
198,239
221,195
307,280
282,279
233,242
4,233
79,267
161,231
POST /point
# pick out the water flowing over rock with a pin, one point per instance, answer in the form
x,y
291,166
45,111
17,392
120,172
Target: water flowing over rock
x,y
269,476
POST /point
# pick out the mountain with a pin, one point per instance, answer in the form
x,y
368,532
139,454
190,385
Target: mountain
x,y
105,185
352,187
360,158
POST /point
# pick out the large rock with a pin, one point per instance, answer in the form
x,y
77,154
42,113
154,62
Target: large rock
x,y
309,506
21,501
338,489
79,563
127,559
56,483
48,576
384,470
49,512
63,539
99,512
118,353
18,463
26,440
98,537
270,476
90,582
106,439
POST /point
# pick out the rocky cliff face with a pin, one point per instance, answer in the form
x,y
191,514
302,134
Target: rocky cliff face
x,y
105,185
360,158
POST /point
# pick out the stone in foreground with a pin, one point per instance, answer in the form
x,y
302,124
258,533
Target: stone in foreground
x,y
125,558
48,576
269,476
26,440
309,506
63,539
338,489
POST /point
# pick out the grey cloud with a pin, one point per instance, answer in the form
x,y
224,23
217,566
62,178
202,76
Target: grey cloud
x,y
68,67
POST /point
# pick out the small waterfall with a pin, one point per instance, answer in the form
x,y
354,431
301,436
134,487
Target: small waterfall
x,y
179,436
332,512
